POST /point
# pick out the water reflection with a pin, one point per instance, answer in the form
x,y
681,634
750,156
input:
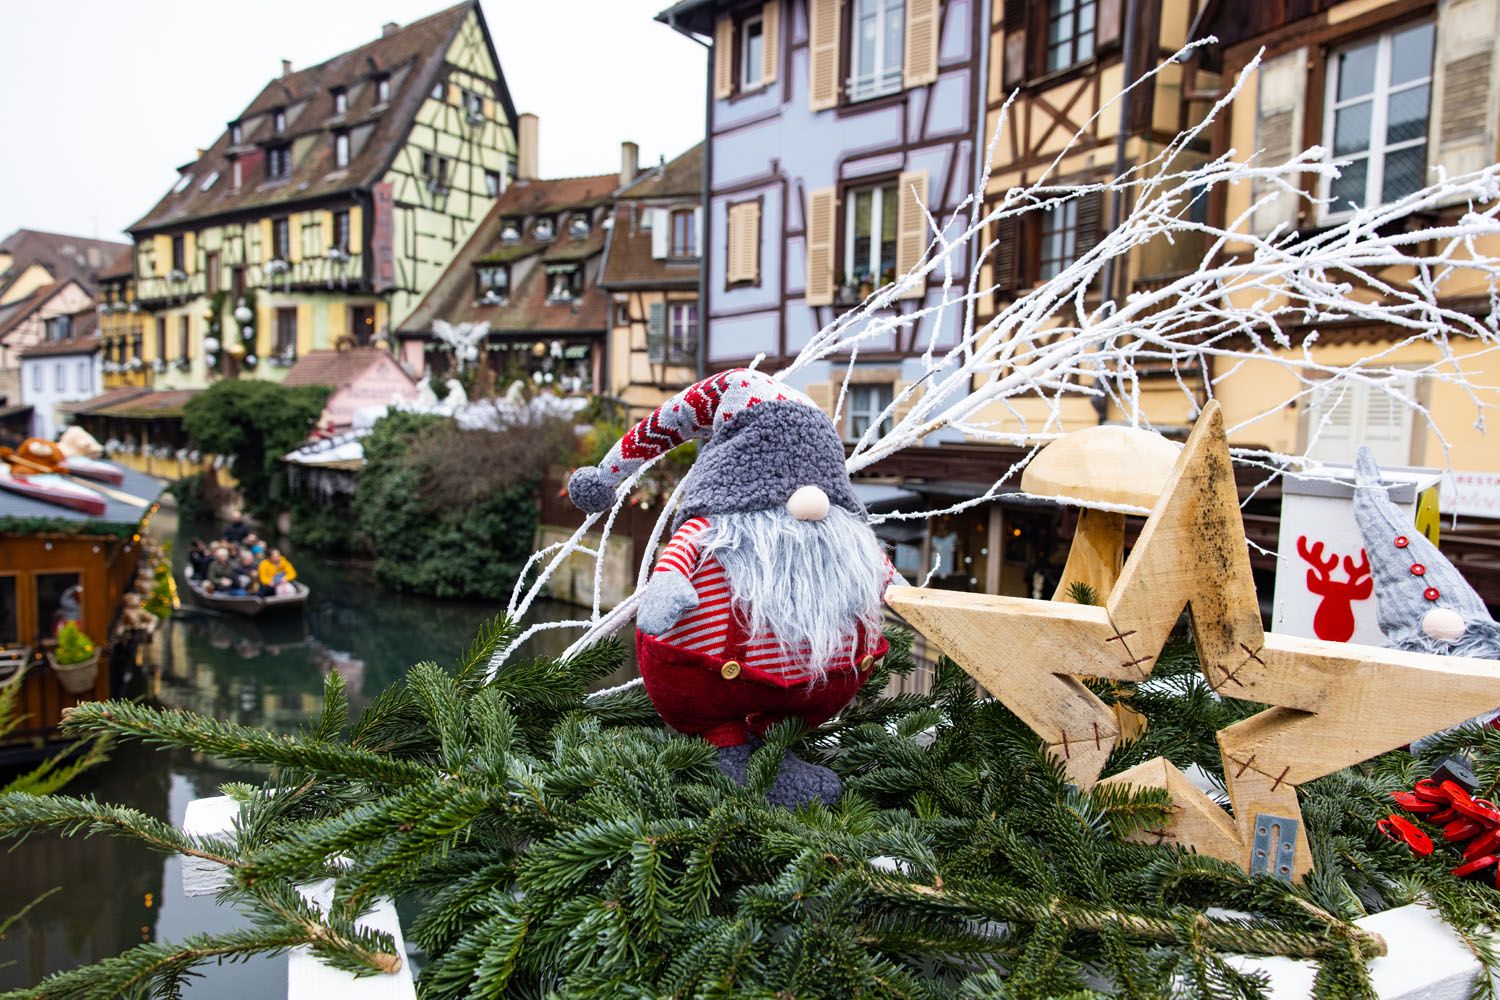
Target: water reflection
x,y
267,673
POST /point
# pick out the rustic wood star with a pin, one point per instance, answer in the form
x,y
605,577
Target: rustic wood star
x,y
1334,704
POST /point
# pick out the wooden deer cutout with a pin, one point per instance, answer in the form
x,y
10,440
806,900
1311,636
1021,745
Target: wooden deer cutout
x,y
1334,704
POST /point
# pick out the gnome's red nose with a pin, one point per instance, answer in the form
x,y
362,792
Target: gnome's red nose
x,y
808,503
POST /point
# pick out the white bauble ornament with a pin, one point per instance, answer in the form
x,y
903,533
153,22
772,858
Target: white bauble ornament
x,y
243,314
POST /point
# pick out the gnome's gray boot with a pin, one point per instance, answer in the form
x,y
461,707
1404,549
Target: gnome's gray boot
x,y
796,784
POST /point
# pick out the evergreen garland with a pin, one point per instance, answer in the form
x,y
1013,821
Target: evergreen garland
x,y
556,844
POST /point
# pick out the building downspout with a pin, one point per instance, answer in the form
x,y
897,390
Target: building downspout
x,y
1122,137
708,159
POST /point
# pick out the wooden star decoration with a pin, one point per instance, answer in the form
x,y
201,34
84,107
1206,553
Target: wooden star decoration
x,y
1333,704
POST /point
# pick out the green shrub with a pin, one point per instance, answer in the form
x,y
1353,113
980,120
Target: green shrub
x,y
254,424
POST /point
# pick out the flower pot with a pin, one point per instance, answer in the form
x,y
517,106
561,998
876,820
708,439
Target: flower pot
x,y
76,678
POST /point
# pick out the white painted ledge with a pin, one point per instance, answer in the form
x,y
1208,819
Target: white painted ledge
x,y
307,977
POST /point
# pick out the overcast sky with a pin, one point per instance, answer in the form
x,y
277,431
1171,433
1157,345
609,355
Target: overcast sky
x,y
102,100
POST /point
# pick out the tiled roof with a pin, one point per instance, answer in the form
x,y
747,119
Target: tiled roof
x,y
452,297
66,257
539,197
122,266
412,58
682,177
628,262
80,344
107,398
333,368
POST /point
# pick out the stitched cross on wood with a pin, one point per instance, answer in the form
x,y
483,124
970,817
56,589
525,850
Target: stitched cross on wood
x,y
1333,704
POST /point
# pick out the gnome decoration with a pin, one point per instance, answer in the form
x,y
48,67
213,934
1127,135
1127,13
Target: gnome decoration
x,y
766,603
1424,604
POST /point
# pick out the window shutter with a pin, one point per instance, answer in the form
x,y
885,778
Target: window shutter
x,y
698,230
1007,254
267,243
1463,124
1014,22
656,334
770,51
190,252
294,238
923,26
163,255
356,230
911,227
1280,94
325,231
823,53
820,212
1109,22
661,232
1088,223
743,243
724,58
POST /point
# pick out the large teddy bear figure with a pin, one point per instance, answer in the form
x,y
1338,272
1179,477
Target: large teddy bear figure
x,y
766,602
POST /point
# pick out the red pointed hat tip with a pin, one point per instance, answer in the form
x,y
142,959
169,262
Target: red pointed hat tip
x,y
1431,593
1402,541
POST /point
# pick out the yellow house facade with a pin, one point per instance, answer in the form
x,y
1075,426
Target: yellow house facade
x,y
325,210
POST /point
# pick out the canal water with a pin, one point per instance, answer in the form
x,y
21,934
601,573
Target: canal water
x,y
114,894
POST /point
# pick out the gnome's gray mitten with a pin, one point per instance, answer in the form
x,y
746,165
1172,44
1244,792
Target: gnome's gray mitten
x,y
667,597
589,491
799,783
734,760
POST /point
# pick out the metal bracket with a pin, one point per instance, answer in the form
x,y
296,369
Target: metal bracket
x,y
1274,846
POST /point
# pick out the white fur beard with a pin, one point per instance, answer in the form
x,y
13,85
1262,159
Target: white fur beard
x,y
813,585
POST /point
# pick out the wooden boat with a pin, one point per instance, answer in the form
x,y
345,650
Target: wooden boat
x,y
250,605
52,488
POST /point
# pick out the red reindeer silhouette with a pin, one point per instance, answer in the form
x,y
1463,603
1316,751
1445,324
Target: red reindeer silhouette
x,y
1334,619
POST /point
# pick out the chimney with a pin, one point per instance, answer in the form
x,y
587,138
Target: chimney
x,y
389,28
286,68
526,151
630,160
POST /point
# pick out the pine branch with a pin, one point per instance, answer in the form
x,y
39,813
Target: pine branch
x,y
241,744
21,815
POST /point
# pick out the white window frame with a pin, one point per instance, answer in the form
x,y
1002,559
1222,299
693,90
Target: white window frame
x,y
1380,98
748,65
682,328
278,120
887,75
341,149
877,223
59,377
1356,397
340,101
382,90
1066,231
866,403
38,377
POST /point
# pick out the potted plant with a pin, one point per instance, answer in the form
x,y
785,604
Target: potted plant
x,y
75,659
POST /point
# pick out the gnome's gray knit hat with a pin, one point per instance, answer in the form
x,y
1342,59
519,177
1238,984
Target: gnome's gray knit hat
x,y
763,440
1425,605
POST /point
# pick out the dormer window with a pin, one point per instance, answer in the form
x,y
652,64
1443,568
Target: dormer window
x,y
579,226
278,163
473,106
209,181
236,134
341,149
382,89
492,283
564,282
435,171
340,100
510,230
236,173
59,327
182,183
278,120
545,228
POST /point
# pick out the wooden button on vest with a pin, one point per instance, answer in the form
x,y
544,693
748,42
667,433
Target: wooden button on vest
x,y
730,670
867,662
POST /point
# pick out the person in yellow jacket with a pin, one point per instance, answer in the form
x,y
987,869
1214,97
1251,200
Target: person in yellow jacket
x,y
276,574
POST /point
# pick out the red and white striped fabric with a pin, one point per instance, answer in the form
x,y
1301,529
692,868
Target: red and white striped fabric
x,y
706,629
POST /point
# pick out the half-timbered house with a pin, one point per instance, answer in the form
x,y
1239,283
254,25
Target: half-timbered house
x,y
834,128
329,206
530,270
651,273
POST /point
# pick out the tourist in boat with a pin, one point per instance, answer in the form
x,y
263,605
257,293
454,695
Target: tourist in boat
x,y
245,580
199,558
221,571
255,545
238,528
276,574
